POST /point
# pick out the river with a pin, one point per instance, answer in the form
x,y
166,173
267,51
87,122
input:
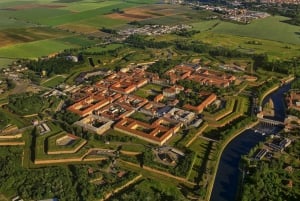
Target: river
x,y
226,182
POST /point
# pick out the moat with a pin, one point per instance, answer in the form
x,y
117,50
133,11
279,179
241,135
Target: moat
x,y
226,183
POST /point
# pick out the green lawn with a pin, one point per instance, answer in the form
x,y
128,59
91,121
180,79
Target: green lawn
x,y
54,81
133,147
42,140
52,146
141,117
149,91
120,136
204,149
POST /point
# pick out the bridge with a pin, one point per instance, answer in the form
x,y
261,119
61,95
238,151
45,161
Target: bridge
x,y
271,122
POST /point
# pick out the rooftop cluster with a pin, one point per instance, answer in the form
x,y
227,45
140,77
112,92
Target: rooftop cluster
x,y
113,101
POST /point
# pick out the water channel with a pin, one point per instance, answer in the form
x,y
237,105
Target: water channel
x,y
226,182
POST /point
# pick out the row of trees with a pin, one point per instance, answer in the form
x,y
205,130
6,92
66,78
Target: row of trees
x,y
26,103
186,33
195,86
190,98
148,190
34,183
287,10
57,65
260,60
66,183
280,66
200,47
269,181
162,66
139,41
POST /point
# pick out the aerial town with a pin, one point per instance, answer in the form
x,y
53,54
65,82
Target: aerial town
x,y
149,100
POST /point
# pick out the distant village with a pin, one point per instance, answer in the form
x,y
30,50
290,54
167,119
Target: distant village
x,y
150,30
239,2
237,14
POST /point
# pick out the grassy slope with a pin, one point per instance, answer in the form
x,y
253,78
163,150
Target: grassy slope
x,y
271,28
54,81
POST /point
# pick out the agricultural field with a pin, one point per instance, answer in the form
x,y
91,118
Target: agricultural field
x,y
103,48
4,62
275,49
280,40
277,30
15,36
35,49
10,23
31,29
76,40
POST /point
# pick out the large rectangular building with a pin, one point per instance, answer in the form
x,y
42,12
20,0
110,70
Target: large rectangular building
x,y
158,132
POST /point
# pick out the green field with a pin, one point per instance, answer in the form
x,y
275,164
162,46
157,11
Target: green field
x,y
22,35
73,17
102,21
25,26
103,48
200,146
149,91
54,81
88,5
204,150
141,117
54,147
77,41
9,23
4,62
34,28
271,28
35,49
